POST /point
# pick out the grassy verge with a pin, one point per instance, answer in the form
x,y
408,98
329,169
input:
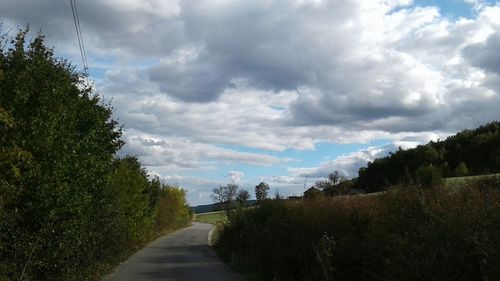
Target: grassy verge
x,y
463,180
211,218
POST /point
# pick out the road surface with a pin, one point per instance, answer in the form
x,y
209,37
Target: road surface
x,y
180,256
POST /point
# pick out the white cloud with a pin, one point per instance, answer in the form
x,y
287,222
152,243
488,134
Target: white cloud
x,y
235,176
349,164
287,179
182,154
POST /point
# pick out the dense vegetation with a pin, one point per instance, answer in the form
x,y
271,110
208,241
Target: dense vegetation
x,y
68,206
470,152
437,233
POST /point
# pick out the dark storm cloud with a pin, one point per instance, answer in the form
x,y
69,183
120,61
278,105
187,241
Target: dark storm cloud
x,y
135,29
485,55
201,81
264,43
50,17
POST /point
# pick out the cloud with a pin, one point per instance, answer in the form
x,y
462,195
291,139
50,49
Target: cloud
x,y
349,164
286,180
182,154
352,65
235,176
485,54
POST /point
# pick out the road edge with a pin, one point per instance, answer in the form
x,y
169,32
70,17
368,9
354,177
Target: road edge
x,y
210,236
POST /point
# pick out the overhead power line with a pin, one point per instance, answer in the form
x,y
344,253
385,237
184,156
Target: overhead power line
x,y
76,20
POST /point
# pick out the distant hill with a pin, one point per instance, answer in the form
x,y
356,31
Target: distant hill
x,y
200,209
469,152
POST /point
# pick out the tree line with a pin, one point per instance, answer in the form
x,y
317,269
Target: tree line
x,y
470,152
230,196
467,153
70,208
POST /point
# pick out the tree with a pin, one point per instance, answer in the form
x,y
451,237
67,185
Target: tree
x,y
336,184
461,170
429,176
128,211
225,195
334,178
173,210
261,191
68,134
242,197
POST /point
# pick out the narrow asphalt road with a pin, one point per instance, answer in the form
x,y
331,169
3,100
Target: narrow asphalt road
x,y
180,256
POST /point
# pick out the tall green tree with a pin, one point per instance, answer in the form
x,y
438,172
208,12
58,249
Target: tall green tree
x,y
173,210
71,138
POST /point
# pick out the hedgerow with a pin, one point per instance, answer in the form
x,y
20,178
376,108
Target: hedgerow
x,y
406,233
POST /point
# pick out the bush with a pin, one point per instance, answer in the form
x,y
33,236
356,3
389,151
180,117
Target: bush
x,y
429,176
173,211
403,234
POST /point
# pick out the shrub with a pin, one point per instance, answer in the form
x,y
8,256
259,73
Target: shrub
x,y
404,234
173,211
429,176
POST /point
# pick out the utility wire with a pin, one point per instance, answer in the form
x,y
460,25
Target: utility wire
x,y
81,46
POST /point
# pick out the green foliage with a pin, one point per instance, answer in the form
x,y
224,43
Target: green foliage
x,y
173,211
71,140
461,170
403,234
429,176
127,215
214,218
472,152
67,207
12,157
13,160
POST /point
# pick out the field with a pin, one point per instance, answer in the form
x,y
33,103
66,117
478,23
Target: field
x,y
462,180
211,218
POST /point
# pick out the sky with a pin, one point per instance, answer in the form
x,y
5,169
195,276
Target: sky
x,y
229,91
